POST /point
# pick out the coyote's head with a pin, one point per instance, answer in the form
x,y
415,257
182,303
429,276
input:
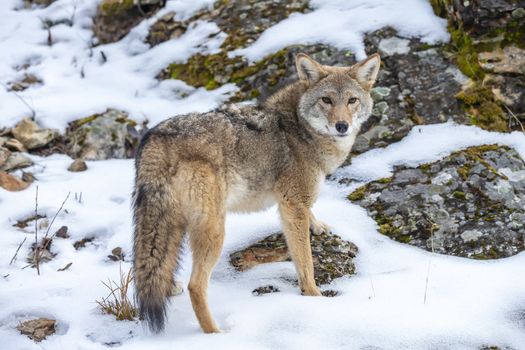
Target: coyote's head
x,y
337,100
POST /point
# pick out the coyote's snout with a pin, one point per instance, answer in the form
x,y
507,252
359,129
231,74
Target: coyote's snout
x,y
192,169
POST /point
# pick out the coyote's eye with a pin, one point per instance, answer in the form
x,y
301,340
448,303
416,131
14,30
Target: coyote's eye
x,y
326,100
352,100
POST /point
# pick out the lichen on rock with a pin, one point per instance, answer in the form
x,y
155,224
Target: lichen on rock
x,y
102,136
333,256
469,204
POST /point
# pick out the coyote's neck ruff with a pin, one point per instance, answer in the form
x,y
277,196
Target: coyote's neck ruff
x,y
192,169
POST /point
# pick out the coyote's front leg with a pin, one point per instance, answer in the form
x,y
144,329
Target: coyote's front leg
x,y
296,220
318,227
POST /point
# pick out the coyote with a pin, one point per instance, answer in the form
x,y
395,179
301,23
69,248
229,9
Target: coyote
x,y
192,169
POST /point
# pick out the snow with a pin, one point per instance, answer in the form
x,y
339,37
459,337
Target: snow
x,y
469,303
343,23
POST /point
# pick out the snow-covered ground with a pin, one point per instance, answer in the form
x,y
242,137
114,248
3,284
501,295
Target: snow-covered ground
x,y
469,303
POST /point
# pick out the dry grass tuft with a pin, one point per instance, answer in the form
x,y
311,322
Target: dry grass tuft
x,y
117,302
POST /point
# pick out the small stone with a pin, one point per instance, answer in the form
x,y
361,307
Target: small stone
x,y
15,145
116,254
4,155
31,135
177,289
16,160
83,242
62,232
265,290
37,329
77,166
12,183
28,177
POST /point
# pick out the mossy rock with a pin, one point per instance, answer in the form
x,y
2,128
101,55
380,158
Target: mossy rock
x,y
469,204
332,255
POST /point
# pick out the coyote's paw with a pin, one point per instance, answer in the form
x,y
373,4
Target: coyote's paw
x,y
318,227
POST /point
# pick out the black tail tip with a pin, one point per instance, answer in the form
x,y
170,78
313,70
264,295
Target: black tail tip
x,y
154,314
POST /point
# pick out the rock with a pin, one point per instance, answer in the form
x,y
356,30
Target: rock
x,y
116,254
12,183
28,177
488,37
27,81
31,135
177,289
265,290
37,329
243,21
4,155
510,59
482,18
42,251
166,28
25,222
115,18
15,161
469,204
15,145
62,232
83,242
333,256
102,136
77,166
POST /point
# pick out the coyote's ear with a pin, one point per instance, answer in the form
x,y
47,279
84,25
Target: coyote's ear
x,y
365,72
308,69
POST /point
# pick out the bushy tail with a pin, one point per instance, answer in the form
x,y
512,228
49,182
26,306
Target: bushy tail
x,y
157,241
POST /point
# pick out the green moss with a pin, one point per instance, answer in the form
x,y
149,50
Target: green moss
x,y
475,155
386,180
459,195
79,122
466,53
358,194
464,172
112,7
425,168
481,104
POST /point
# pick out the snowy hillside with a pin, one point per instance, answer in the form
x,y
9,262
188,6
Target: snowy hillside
x,y
400,297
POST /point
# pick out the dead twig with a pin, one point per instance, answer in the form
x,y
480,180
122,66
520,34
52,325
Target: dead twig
x,y
433,226
17,250
514,116
35,260
33,113
46,240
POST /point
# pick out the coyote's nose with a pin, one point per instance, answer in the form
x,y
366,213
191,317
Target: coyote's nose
x,y
341,127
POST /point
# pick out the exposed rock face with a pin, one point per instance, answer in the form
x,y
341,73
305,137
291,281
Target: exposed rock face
x,y
102,136
115,18
332,255
487,38
243,21
469,204
38,329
